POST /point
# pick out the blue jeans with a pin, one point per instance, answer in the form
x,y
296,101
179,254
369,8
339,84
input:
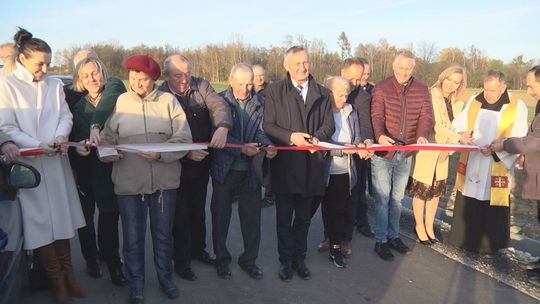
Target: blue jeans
x,y
390,178
133,212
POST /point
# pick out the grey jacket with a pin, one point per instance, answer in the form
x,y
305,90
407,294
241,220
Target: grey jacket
x,y
529,146
199,101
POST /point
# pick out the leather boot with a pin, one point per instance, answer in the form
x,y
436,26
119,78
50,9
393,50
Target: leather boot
x,y
53,268
64,257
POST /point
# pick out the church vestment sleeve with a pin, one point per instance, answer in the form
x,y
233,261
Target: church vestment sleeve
x,y
460,122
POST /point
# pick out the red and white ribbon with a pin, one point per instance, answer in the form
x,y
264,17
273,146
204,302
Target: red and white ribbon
x,y
322,146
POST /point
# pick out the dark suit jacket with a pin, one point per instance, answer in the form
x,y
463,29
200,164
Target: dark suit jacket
x,y
297,172
529,146
361,101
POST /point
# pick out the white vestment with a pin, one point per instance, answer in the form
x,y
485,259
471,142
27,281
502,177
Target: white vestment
x,y
478,174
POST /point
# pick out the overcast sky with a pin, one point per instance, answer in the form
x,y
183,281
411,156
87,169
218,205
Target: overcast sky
x,y
501,29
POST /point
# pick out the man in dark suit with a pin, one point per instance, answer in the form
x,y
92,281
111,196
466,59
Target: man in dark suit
x,y
529,148
364,82
354,70
297,112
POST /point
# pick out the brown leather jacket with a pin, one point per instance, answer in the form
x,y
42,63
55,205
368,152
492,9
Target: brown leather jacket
x,y
402,113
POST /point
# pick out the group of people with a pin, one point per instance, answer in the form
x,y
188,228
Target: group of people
x,y
171,187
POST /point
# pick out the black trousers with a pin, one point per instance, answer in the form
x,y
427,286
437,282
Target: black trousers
x,y
249,211
107,236
189,228
363,169
338,209
293,217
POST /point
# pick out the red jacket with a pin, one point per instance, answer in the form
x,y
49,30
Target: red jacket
x,y
402,113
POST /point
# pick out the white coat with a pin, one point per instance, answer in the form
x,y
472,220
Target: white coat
x,y
31,113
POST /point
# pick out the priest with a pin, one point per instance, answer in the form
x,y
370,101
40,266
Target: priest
x,y
481,221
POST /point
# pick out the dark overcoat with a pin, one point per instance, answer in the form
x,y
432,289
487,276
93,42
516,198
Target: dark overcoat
x,y
297,172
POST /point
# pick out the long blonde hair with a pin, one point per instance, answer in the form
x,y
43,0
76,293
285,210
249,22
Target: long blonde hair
x,y
445,74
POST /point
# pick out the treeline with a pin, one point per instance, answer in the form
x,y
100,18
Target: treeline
x,y
213,61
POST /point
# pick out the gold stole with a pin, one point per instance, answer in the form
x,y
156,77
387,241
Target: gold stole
x,y
500,186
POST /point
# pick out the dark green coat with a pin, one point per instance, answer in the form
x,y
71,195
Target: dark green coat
x,y
92,176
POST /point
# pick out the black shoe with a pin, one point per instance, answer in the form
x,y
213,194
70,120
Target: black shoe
x,y
170,290
302,271
337,258
186,273
398,245
383,251
253,271
93,269
285,272
136,298
425,243
224,272
433,240
205,257
365,230
117,276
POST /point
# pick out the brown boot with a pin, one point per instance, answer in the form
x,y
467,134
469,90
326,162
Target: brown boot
x,y
52,266
64,257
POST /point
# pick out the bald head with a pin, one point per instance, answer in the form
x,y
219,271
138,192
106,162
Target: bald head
x,y
259,77
83,54
177,72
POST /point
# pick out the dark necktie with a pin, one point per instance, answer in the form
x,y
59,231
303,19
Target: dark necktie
x,y
300,88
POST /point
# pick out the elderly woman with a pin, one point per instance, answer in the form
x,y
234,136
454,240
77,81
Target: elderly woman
x,y
34,113
430,168
146,182
93,177
338,206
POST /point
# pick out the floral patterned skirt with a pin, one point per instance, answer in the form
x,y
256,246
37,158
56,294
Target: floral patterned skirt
x,y
426,192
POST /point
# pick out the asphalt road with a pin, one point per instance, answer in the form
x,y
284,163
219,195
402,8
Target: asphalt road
x,y
422,276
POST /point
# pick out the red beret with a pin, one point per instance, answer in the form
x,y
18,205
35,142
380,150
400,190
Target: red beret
x,y
143,63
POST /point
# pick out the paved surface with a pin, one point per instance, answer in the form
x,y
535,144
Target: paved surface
x,y
422,276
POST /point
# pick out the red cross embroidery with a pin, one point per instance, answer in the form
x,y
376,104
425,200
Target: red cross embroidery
x,y
462,168
499,181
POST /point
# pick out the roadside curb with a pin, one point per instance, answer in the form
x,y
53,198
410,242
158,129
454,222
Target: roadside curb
x,y
518,241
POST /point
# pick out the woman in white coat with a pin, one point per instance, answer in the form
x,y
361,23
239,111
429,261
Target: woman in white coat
x,y
34,113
